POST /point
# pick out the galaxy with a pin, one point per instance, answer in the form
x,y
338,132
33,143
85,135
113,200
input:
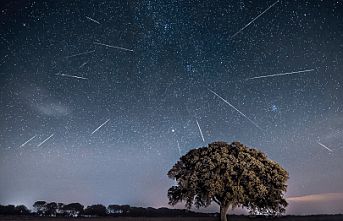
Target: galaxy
x,y
99,98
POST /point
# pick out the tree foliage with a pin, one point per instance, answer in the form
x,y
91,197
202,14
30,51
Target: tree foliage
x,y
118,209
96,210
232,175
40,207
22,210
72,209
51,209
14,210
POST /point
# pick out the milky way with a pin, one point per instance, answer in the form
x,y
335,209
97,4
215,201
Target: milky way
x,y
67,67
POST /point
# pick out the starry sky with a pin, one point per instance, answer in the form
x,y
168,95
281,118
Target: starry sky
x,y
98,99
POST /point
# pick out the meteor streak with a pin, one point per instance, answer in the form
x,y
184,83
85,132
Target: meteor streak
x,y
324,146
72,76
100,126
28,141
280,74
111,46
178,147
93,20
202,136
83,64
45,140
240,30
236,109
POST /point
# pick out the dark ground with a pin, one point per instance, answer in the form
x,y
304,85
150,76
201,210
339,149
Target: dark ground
x,y
231,218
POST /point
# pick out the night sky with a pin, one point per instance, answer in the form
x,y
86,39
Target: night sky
x,y
98,99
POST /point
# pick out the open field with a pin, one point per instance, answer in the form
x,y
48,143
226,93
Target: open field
x,y
231,218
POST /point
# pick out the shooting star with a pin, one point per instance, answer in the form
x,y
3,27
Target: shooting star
x,y
324,146
100,126
202,136
45,140
280,74
28,141
93,20
83,64
71,76
111,46
240,30
236,110
83,53
178,147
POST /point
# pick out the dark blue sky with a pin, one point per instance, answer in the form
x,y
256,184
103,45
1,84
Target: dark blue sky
x,y
144,70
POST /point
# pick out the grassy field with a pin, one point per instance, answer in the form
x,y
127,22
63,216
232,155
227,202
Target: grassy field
x,y
233,218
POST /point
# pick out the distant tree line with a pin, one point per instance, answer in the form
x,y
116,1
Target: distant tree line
x,y
53,209
14,210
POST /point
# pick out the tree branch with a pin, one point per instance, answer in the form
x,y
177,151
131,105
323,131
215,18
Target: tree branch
x,y
216,201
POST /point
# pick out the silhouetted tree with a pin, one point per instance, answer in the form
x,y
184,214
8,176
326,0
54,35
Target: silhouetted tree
x,y
96,210
59,210
232,175
22,210
118,209
137,211
51,209
114,209
7,210
73,209
40,208
125,208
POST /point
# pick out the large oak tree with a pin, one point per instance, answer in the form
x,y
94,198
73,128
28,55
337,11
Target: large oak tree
x,y
231,175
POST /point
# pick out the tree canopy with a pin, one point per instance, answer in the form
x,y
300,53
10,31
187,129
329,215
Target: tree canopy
x,y
231,175
96,210
14,210
72,209
40,207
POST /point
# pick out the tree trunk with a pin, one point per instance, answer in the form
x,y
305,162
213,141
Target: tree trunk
x,y
223,211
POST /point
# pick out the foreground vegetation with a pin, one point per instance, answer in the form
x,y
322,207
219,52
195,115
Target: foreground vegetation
x,y
230,175
233,217
53,209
